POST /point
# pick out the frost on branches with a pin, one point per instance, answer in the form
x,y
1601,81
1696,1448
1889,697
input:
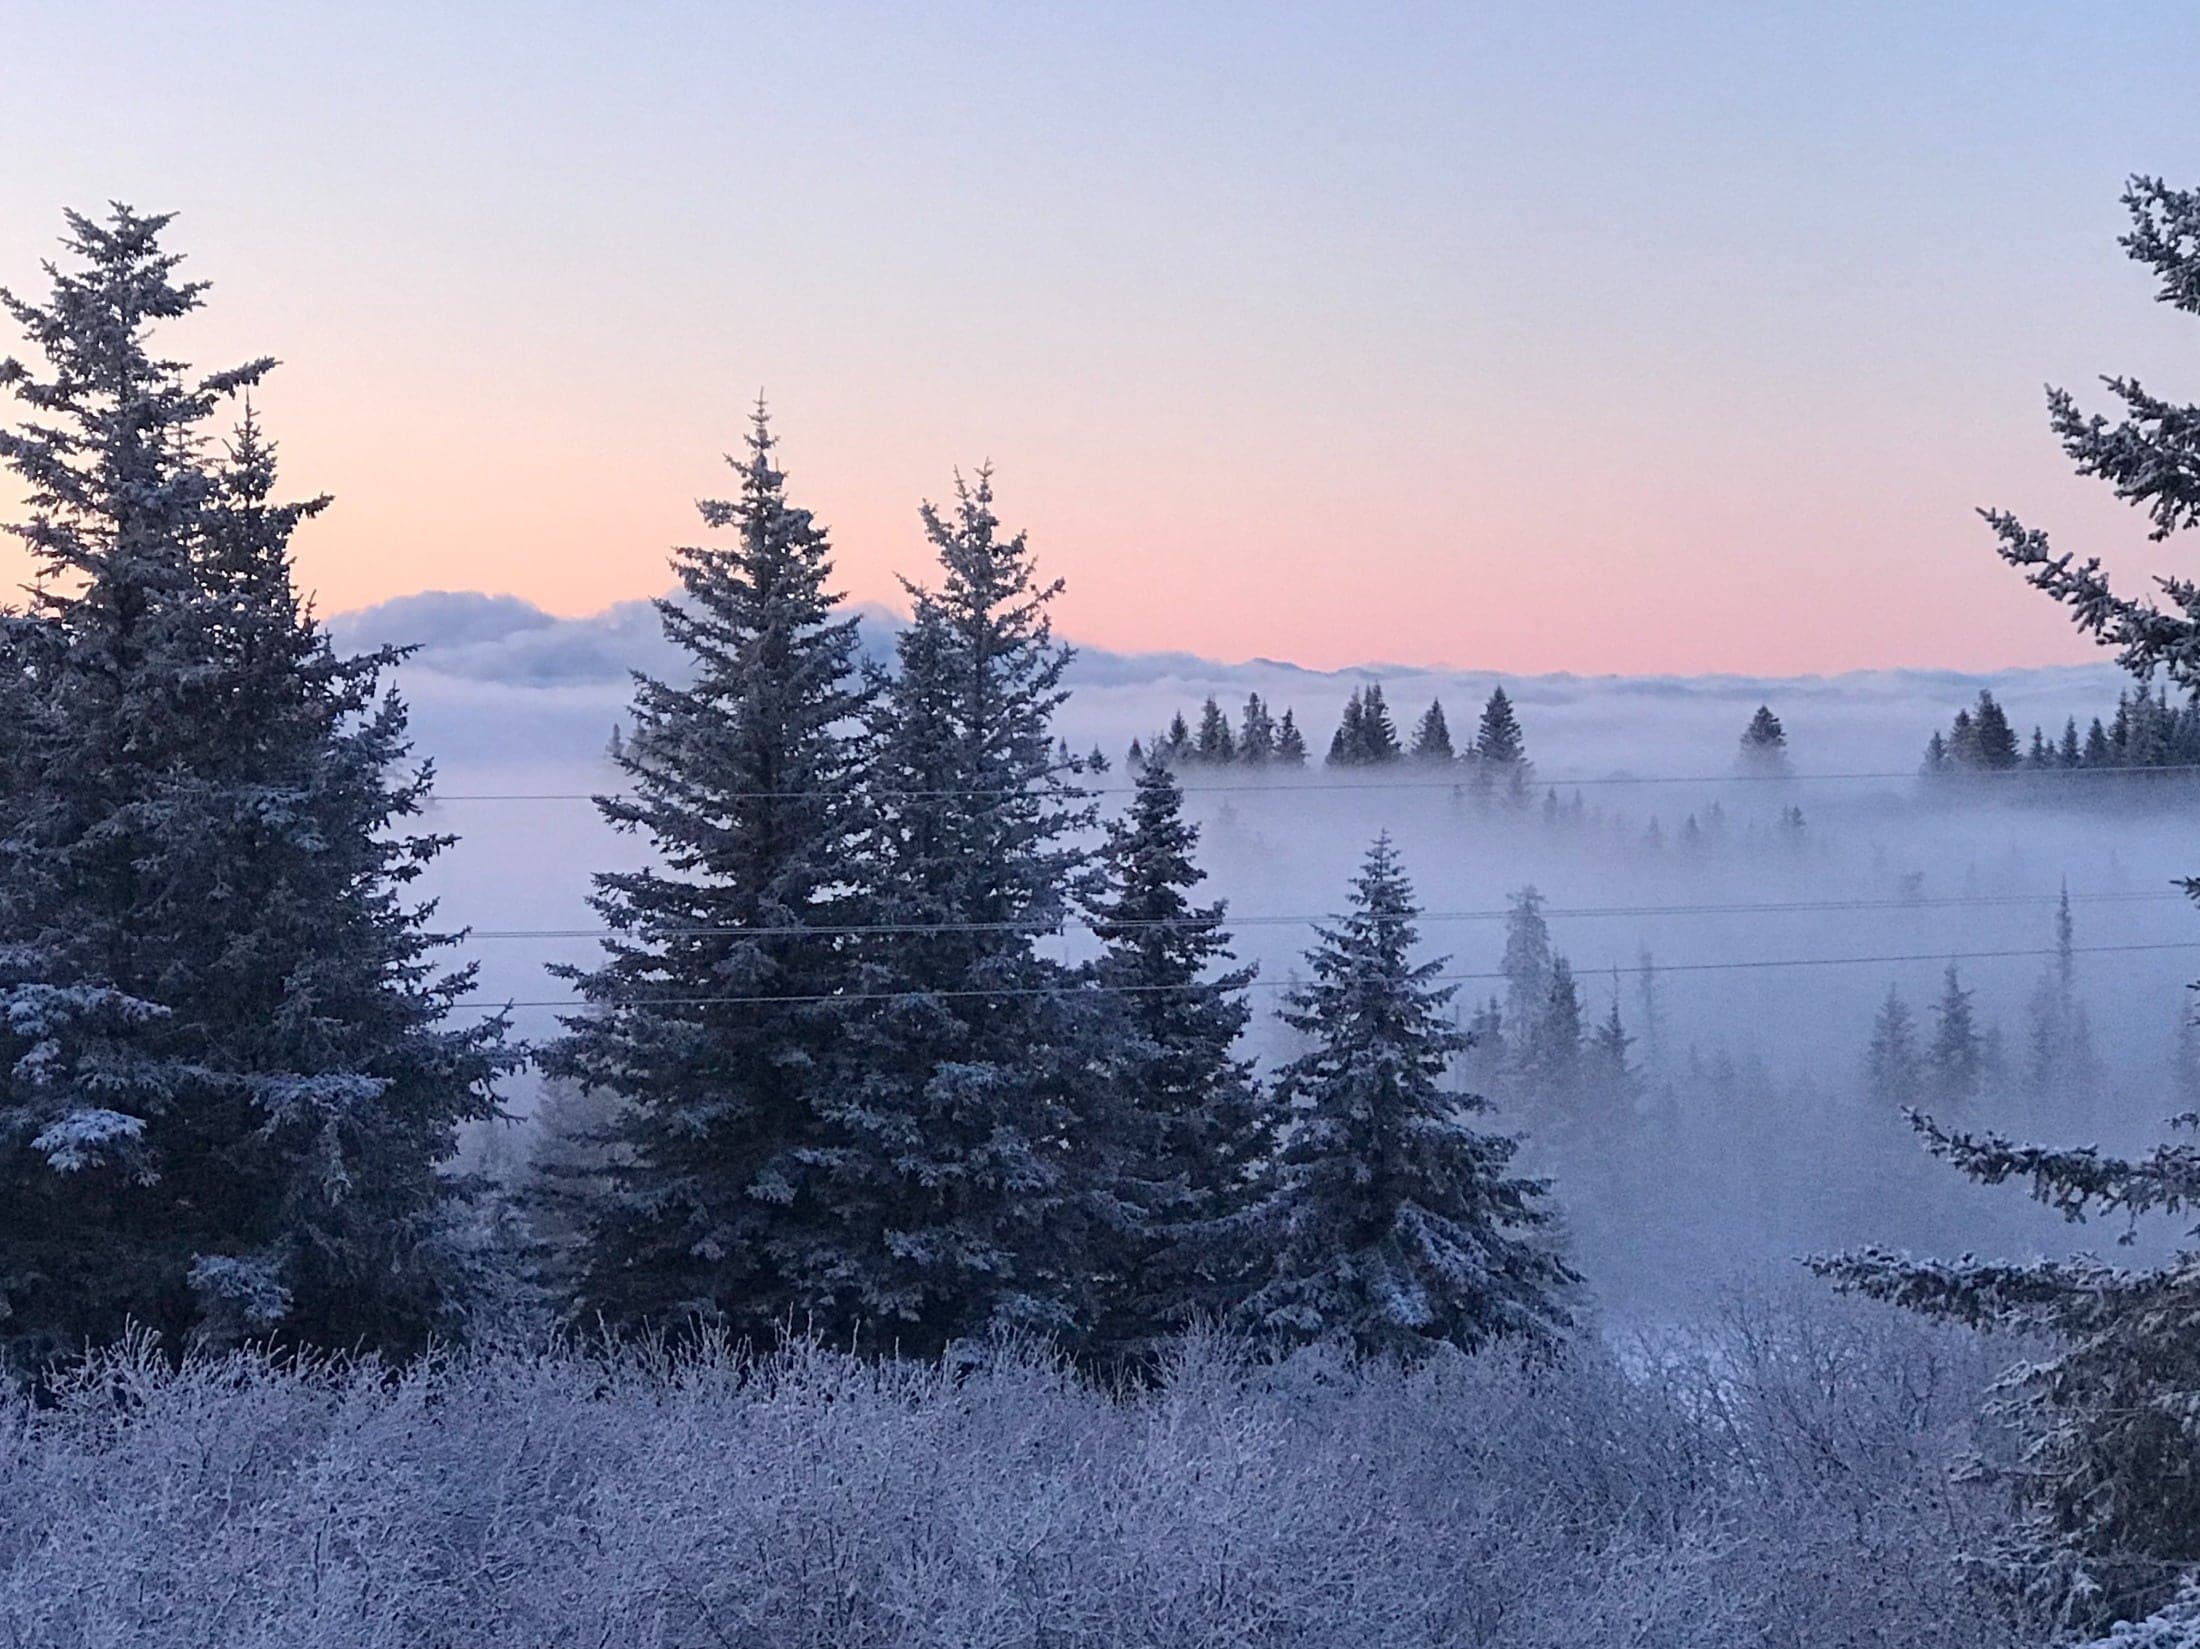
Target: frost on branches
x,y
2112,1468
1396,1226
227,1091
710,1022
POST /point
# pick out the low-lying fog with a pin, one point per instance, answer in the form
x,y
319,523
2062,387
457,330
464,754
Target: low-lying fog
x,y
1758,1140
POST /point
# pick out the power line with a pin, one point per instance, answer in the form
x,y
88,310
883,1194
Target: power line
x,y
1010,992
1432,784
1607,912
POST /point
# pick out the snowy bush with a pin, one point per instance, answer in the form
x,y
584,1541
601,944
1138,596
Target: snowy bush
x,y
1786,1478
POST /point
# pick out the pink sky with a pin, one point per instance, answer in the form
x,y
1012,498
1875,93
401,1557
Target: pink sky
x,y
1540,340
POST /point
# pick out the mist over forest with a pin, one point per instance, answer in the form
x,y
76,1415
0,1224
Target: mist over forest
x,y
1754,1088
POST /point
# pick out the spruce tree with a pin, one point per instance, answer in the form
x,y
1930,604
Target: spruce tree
x,y
1551,1058
1609,1080
1348,745
2111,1469
1527,967
1432,737
1764,751
1396,1226
1955,1059
1963,753
2060,1065
1894,1068
1188,1128
1256,742
1994,740
1501,750
1290,742
2097,750
706,1019
1214,744
962,1185
1378,734
228,1094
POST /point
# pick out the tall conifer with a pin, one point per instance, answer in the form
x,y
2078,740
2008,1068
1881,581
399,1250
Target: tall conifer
x,y
707,1016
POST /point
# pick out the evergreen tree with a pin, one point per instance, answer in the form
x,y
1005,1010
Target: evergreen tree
x,y
2112,1435
1501,750
1894,1068
1650,1011
1378,735
1955,1061
1190,1130
1432,737
227,1091
1527,967
1214,744
961,1186
1764,745
2060,1065
1551,1060
2068,753
1257,734
1348,745
1609,1078
1175,745
1396,1226
2097,751
1963,753
1290,742
1995,741
706,1016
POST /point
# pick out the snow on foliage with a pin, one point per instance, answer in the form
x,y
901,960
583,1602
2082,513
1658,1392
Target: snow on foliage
x,y
1786,1479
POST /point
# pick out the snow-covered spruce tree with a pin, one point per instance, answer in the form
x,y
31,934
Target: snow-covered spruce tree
x,y
1189,1129
2112,1467
705,1020
1432,736
1764,752
227,1089
1395,1227
965,1091
1290,742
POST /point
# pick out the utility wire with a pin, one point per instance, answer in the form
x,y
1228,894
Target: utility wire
x,y
1433,783
581,1004
867,929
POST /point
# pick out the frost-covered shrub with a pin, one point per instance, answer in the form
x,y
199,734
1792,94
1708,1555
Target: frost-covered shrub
x,y
1782,1480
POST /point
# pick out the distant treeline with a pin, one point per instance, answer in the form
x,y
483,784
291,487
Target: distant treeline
x,y
2147,730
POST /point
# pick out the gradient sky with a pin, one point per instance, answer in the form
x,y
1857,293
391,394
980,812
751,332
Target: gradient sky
x,y
1630,337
